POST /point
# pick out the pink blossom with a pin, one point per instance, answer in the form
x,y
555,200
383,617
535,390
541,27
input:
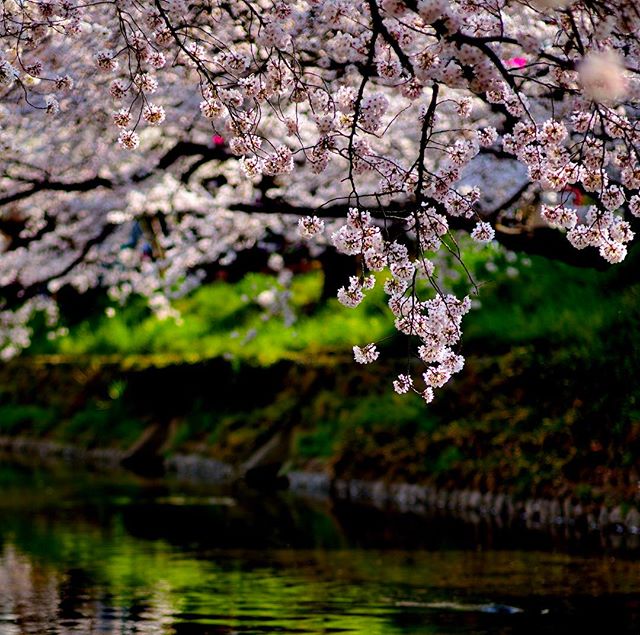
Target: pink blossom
x,y
516,62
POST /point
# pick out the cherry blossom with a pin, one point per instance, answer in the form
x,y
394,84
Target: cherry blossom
x,y
142,142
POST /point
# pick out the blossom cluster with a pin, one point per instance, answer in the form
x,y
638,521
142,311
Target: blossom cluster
x,y
142,141
434,323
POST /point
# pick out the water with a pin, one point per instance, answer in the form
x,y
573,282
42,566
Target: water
x,y
83,553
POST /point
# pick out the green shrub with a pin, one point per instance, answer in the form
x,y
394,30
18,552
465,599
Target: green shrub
x,y
16,419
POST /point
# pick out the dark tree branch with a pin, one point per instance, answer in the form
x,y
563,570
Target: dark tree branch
x,y
538,240
56,186
16,294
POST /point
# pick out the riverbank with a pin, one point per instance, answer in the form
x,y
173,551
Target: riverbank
x,y
545,409
531,422
612,527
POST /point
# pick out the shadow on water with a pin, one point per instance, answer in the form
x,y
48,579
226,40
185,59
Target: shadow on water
x,y
82,553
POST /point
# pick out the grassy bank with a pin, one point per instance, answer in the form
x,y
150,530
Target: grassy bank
x,y
547,402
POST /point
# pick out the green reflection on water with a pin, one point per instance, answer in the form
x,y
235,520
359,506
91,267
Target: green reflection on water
x,y
81,554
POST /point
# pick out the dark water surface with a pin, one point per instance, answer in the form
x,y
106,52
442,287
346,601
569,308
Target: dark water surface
x,y
82,553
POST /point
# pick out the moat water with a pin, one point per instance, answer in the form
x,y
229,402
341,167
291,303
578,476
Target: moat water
x,y
85,553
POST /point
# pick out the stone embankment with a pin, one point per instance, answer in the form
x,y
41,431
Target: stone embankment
x,y
473,505
467,504
50,452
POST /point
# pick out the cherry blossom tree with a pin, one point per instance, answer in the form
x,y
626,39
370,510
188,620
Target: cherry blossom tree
x,y
378,128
